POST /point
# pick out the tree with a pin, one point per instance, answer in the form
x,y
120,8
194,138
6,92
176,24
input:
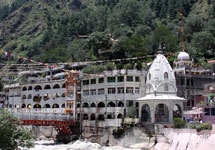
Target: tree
x,y
99,41
13,135
1,85
162,35
204,43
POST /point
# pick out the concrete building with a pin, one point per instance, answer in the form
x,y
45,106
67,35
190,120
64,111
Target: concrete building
x,y
160,104
190,79
107,99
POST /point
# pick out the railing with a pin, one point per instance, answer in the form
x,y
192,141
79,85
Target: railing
x,y
38,110
33,116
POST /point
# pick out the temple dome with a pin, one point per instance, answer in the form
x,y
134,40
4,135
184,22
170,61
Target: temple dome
x,y
160,75
183,56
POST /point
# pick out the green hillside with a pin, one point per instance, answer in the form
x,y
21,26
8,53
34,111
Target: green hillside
x,y
61,30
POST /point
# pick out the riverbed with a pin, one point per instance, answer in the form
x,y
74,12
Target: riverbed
x,y
77,145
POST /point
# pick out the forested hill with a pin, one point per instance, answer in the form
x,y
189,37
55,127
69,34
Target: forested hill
x,y
62,30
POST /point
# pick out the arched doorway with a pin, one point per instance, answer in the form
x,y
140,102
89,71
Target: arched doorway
x,y
145,113
161,113
177,111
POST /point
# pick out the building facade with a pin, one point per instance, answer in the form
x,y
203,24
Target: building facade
x,y
107,99
160,104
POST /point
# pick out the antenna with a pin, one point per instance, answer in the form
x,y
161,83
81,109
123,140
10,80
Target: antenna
x,y
182,29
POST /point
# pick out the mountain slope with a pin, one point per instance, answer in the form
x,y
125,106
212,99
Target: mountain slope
x,y
51,30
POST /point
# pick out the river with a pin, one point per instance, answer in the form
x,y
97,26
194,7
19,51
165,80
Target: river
x,y
77,145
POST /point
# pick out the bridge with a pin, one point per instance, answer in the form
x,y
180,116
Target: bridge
x,y
62,123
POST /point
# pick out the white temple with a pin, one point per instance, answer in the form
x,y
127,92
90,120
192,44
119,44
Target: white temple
x,y
160,104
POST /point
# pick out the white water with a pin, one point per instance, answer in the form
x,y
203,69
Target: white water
x,y
77,145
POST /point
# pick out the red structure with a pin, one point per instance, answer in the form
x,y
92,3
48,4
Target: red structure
x,y
62,127
71,92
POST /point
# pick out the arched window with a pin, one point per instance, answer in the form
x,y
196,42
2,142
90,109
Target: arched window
x,y
101,117
23,105
29,96
37,106
85,105
56,86
110,116
165,75
161,113
111,104
56,95
23,96
24,89
92,117
119,116
30,88
37,98
85,117
63,95
63,106
120,104
145,113
46,96
29,106
101,104
47,87
166,88
78,105
93,105
46,106
37,88
55,106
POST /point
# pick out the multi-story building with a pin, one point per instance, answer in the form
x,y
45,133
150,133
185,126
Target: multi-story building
x,y
104,99
37,91
108,98
190,79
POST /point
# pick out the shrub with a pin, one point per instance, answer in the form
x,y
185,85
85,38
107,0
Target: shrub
x,y
128,66
204,126
179,123
110,66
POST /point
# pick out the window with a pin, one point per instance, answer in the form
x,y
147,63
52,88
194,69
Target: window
x,y
137,79
93,92
188,82
149,76
86,92
166,88
207,111
120,79
212,111
101,91
137,90
182,81
120,90
86,82
93,81
165,75
111,90
129,90
129,78
101,80
111,79
129,103
191,82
